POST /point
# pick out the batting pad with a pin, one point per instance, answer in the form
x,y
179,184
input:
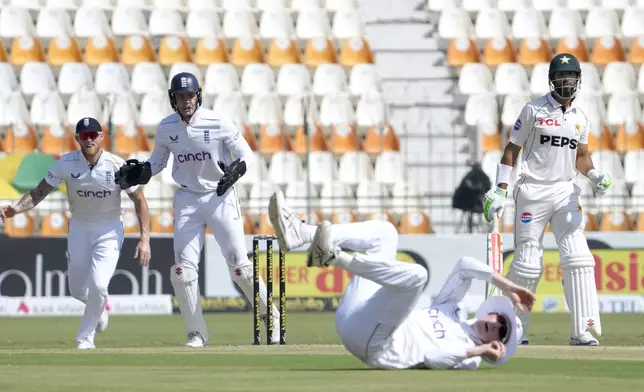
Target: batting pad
x,y
186,289
581,294
526,270
243,276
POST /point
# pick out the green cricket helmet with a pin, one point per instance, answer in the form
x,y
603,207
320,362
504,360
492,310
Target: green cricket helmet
x,y
564,76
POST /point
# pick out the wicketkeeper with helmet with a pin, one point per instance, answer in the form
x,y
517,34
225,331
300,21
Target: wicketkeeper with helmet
x,y
553,133
210,155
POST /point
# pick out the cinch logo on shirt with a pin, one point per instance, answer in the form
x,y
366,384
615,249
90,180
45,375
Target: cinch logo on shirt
x,y
95,194
559,141
550,122
439,329
198,157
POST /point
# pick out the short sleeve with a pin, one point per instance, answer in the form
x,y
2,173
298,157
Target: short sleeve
x,y
522,127
584,128
55,174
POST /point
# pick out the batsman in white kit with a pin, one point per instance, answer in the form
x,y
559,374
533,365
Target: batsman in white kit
x,y
210,155
96,225
553,133
378,319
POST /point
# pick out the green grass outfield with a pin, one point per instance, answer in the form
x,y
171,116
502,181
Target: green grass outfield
x,y
145,354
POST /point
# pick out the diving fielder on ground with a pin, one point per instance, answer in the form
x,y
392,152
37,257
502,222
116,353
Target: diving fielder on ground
x,y
210,155
554,136
377,318
96,224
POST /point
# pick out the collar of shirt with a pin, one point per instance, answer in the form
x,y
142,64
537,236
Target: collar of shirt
x,y
195,116
98,161
555,104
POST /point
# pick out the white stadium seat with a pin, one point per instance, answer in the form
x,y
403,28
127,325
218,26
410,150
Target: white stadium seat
x,y
83,103
128,21
148,77
609,162
14,111
8,80
491,23
203,23
478,5
340,5
602,22
372,197
371,110
15,22
513,5
267,5
155,106
481,109
322,167
637,197
236,4
53,22
170,4
511,78
355,167
539,79
203,4
593,106
106,5
615,198
527,23
475,78
233,105
221,78
47,108
640,80
276,23
238,24
389,168
363,79
441,5
623,107
336,196
591,81
633,166
256,79
91,22
285,167
259,196
256,173
312,23
294,114
582,5
123,109
265,109
548,5
329,79
633,22
303,5
619,5
455,23
619,77
166,21
347,24
405,196
293,79
32,5
36,77
336,109
299,198
111,78
565,22
512,106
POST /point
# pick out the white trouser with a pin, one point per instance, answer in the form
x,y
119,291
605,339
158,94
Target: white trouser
x,y
382,292
93,252
222,214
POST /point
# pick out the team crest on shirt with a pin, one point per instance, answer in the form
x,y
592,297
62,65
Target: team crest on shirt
x,y
517,125
206,136
108,176
577,128
174,139
579,208
526,217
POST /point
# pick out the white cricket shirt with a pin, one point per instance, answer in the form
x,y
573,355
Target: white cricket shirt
x,y
437,337
549,137
197,147
94,197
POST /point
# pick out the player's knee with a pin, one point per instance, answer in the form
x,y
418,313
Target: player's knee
x,y
78,293
183,273
386,230
100,290
529,252
574,251
421,276
243,271
236,258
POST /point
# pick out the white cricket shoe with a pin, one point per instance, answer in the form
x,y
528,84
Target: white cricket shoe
x,y
103,322
195,340
86,344
585,339
287,224
275,338
321,252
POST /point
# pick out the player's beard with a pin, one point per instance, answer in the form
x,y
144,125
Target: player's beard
x,y
565,88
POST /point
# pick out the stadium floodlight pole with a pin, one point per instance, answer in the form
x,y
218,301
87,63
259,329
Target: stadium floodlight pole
x,y
307,135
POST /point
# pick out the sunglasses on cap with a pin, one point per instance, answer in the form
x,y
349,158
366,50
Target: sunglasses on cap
x,y
504,329
90,135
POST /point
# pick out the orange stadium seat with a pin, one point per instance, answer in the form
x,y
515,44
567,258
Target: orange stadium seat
x,y
462,51
345,216
354,51
636,51
107,140
249,136
63,50
498,51
313,218
592,224
99,50
629,137
616,221
533,51
20,138
265,226
2,145
22,225
26,50
344,138
129,139
210,50
490,137
137,49
130,222
607,50
282,51
383,216
380,139
246,51
56,140
250,227
320,50
3,53
415,222
600,138
272,139
575,46
162,222
173,50
640,222
317,141
54,224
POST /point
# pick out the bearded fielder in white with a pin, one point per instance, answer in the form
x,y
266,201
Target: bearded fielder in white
x,y
377,318
210,155
96,225
554,136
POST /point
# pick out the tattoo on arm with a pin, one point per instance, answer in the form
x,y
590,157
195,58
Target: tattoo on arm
x,y
142,212
35,196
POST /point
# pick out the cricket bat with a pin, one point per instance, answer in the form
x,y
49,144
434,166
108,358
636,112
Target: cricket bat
x,y
494,257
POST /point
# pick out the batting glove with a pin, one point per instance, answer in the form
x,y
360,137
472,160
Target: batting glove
x,y
601,181
494,203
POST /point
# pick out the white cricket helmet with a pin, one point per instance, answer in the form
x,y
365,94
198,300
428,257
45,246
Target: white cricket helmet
x,y
503,305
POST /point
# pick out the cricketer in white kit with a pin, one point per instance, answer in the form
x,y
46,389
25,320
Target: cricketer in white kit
x,y
95,227
378,319
210,155
553,133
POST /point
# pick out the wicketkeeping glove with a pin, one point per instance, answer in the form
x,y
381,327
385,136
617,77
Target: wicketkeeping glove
x,y
494,203
601,181
232,173
133,173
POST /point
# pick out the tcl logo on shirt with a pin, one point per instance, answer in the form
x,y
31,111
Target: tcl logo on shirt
x,y
550,122
559,141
